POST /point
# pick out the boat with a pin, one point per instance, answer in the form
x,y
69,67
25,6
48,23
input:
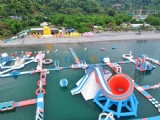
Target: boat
x,y
127,56
47,61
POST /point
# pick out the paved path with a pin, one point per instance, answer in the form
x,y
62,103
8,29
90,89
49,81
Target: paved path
x,y
98,37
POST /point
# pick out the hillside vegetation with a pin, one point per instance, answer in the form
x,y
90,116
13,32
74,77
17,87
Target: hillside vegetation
x,y
79,14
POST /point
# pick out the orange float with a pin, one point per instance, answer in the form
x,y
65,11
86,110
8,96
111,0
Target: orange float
x,y
40,91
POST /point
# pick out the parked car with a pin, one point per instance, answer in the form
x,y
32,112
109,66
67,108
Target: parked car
x,y
13,38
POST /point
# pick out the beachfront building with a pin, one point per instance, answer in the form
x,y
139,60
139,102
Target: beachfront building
x,y
139,25
97,29
23,33
41,30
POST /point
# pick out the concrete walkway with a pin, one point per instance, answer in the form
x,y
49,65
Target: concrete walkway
x,y
98,37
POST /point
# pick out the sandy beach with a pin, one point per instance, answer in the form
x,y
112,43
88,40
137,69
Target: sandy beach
x,y
98,37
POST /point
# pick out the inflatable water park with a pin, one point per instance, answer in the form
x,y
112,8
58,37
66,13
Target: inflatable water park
x,y
106,88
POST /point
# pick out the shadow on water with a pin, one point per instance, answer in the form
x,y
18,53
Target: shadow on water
x,y
142,41
80,44
15,77
139,76
9,111
64,89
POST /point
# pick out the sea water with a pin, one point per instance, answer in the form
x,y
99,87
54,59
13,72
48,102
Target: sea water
x,y
59,103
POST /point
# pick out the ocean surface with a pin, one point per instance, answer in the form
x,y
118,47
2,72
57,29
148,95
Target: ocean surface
x,y
59,103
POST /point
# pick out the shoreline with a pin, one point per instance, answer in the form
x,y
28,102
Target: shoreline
x,y
98,37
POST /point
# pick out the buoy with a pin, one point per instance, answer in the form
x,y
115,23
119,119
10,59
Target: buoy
x,y
47,52
13,55
47,71
156,105
153,102
56,50
156,102
85,49
102,49
156,86
113,47
63,82
28,53
4,55
153,99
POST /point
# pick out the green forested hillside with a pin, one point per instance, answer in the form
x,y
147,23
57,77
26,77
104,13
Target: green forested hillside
x,y
79,14
45,7
133,4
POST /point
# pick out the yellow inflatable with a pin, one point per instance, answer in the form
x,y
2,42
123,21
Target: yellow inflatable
x,y
46,31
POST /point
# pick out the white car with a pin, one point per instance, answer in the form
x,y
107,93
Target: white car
x,y
14,38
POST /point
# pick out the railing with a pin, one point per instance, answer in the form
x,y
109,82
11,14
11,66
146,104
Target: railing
x,y
39,114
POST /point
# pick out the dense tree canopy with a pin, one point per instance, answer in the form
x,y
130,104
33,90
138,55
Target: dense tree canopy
x,y
78,14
